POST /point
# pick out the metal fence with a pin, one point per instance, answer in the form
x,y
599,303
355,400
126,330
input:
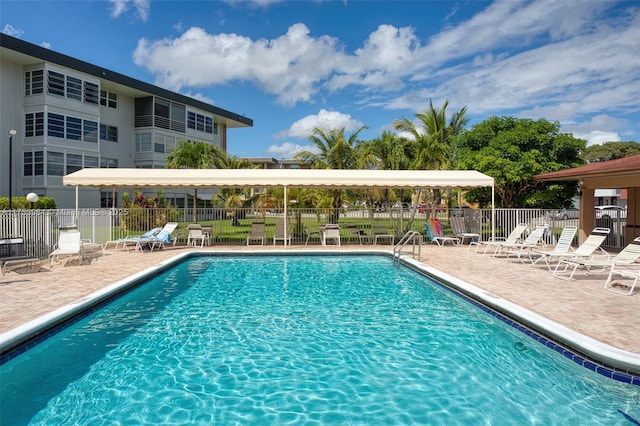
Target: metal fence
x,y
40,228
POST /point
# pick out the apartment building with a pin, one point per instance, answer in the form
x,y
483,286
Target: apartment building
x,y
68,114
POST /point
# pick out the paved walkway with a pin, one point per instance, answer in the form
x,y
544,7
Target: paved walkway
x,y
582,304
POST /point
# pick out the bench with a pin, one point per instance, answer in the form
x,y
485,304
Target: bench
x,y
9,261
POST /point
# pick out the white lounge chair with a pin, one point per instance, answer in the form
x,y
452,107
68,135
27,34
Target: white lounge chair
x,y
311,235
624,272
564,250
331,232
533,240
514,237
629,255
69,246
257,233
122,243
280,235
160,239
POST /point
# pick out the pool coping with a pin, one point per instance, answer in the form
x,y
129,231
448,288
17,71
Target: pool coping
x,y
614,361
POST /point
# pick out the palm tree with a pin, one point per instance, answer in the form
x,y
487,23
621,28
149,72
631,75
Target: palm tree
x,y
192,155
388,152
334,151
432,140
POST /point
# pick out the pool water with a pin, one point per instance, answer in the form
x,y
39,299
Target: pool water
x,y
301,339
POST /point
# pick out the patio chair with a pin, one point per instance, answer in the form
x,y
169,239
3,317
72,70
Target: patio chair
x,y
257,233
69,246
380,232
435,234
459,229
627,256
514,237
196,235
331,232
160,239
355,232
311,234
279,233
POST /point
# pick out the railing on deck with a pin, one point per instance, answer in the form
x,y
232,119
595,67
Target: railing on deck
x,y
40,228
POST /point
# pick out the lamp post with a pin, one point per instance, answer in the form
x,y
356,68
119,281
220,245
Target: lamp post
x,y
32,197
12,133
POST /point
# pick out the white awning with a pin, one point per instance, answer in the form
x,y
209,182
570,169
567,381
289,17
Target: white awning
x,y
292,178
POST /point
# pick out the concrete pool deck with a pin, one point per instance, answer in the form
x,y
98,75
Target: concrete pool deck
x,y
581,305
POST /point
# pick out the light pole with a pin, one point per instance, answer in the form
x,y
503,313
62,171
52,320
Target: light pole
x,y
12,133
32,197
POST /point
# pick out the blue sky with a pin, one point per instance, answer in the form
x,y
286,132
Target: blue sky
x,y
294,65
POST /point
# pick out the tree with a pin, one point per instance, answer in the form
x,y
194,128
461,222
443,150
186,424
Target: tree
x,y
512,151
192,155
388,152
610,151
334,150
432,142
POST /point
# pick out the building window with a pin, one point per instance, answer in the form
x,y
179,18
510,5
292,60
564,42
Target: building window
x,y
33,82
108,163
55,163
55,125
55,83
34,124
108,99
106,199
91,161
215,128
91,93
74,128
108,133
74,163
90,131
74,88
33,163
143,142
200,122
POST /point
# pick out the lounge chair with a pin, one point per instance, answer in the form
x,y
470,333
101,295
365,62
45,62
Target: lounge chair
x,y
133,240
564,250
380,232
257,233
435,234
624,272
160,239
196,235
514,237
533,240
460,230
331,232
69,246
627,256
280,235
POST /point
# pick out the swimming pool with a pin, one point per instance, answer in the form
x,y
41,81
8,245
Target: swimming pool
x,y
304,339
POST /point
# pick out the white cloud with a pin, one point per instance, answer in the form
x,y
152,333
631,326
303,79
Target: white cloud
x,y
303,128
288,149
289,66
12,31
142,8
598,137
